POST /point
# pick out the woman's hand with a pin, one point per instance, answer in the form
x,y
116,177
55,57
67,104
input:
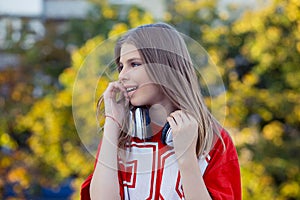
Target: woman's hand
x,y
115,108
185,133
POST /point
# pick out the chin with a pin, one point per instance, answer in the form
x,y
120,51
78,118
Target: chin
x,y
136,103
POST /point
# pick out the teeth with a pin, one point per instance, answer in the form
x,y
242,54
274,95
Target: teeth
x,y
131,89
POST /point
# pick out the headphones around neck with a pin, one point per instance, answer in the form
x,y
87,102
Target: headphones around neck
x,y
140,120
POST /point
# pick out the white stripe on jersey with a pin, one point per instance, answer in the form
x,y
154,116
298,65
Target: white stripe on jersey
x,y
145,154
143,164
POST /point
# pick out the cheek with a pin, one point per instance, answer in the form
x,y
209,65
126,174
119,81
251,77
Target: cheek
x,y
149,95
149,92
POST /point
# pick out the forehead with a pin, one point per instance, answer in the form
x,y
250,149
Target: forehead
x,y
129,50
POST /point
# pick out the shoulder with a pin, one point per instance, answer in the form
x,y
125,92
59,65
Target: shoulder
x,y
222,155
222,176
224,150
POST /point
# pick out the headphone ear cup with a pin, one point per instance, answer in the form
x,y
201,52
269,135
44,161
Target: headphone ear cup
x,y
164,132
166,135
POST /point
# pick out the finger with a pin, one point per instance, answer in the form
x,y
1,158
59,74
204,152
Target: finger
x,y
118,87
185,116
190,117
115,88
177,116
172,122
123,90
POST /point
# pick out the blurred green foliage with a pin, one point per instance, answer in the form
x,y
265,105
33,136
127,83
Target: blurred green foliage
x,y
256,51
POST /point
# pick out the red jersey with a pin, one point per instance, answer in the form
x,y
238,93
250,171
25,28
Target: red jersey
x,y
151,171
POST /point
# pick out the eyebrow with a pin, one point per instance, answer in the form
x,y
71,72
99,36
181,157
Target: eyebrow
x,y
132,59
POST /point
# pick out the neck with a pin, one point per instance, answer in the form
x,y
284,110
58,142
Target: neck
x,y
158,114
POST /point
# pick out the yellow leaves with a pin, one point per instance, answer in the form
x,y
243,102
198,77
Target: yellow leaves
x,y
290,189
233,77
230,63
36,145
21,92
68,76
298,46
273,34
90,45
248,135
297,31
292,96
63,168
133,14
19,175
167,16
265,114
102,85
295,3
16,95
77,184
205,4
266,59
240,27
250,79
74,159
273,132
292,79
7,141
224,15
297,112
185,6
38,127
212,35
255,181
5,162
245,155
118,29
63,99
249,22
293,11
79,56
257,49
77,59
137,18
109,13
53,153
214,54
147,18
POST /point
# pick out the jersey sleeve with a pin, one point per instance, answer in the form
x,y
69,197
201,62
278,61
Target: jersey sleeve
x,y
222,176
85,187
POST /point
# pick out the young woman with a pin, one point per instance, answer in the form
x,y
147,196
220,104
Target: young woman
x,y
160,141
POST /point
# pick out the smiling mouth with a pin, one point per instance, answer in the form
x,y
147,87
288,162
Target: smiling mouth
x,y
131,89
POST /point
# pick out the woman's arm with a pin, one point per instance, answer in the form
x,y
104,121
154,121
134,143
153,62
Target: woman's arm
x,y
191,177
185,134
105,184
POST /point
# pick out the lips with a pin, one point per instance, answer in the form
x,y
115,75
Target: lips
x,y
130,89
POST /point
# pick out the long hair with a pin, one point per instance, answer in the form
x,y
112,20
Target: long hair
x,y
168,63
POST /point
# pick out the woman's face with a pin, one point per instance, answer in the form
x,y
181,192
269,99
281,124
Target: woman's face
x,y
141,90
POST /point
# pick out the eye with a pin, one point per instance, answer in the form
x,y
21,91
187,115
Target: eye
x,y
135,64
120,67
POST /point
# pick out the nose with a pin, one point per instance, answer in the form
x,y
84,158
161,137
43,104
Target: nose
x,y
123,75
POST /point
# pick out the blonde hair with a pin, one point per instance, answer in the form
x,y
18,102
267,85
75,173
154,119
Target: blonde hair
x,y
168,62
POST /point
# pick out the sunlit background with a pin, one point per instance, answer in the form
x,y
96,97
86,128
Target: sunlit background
x,y
255,45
